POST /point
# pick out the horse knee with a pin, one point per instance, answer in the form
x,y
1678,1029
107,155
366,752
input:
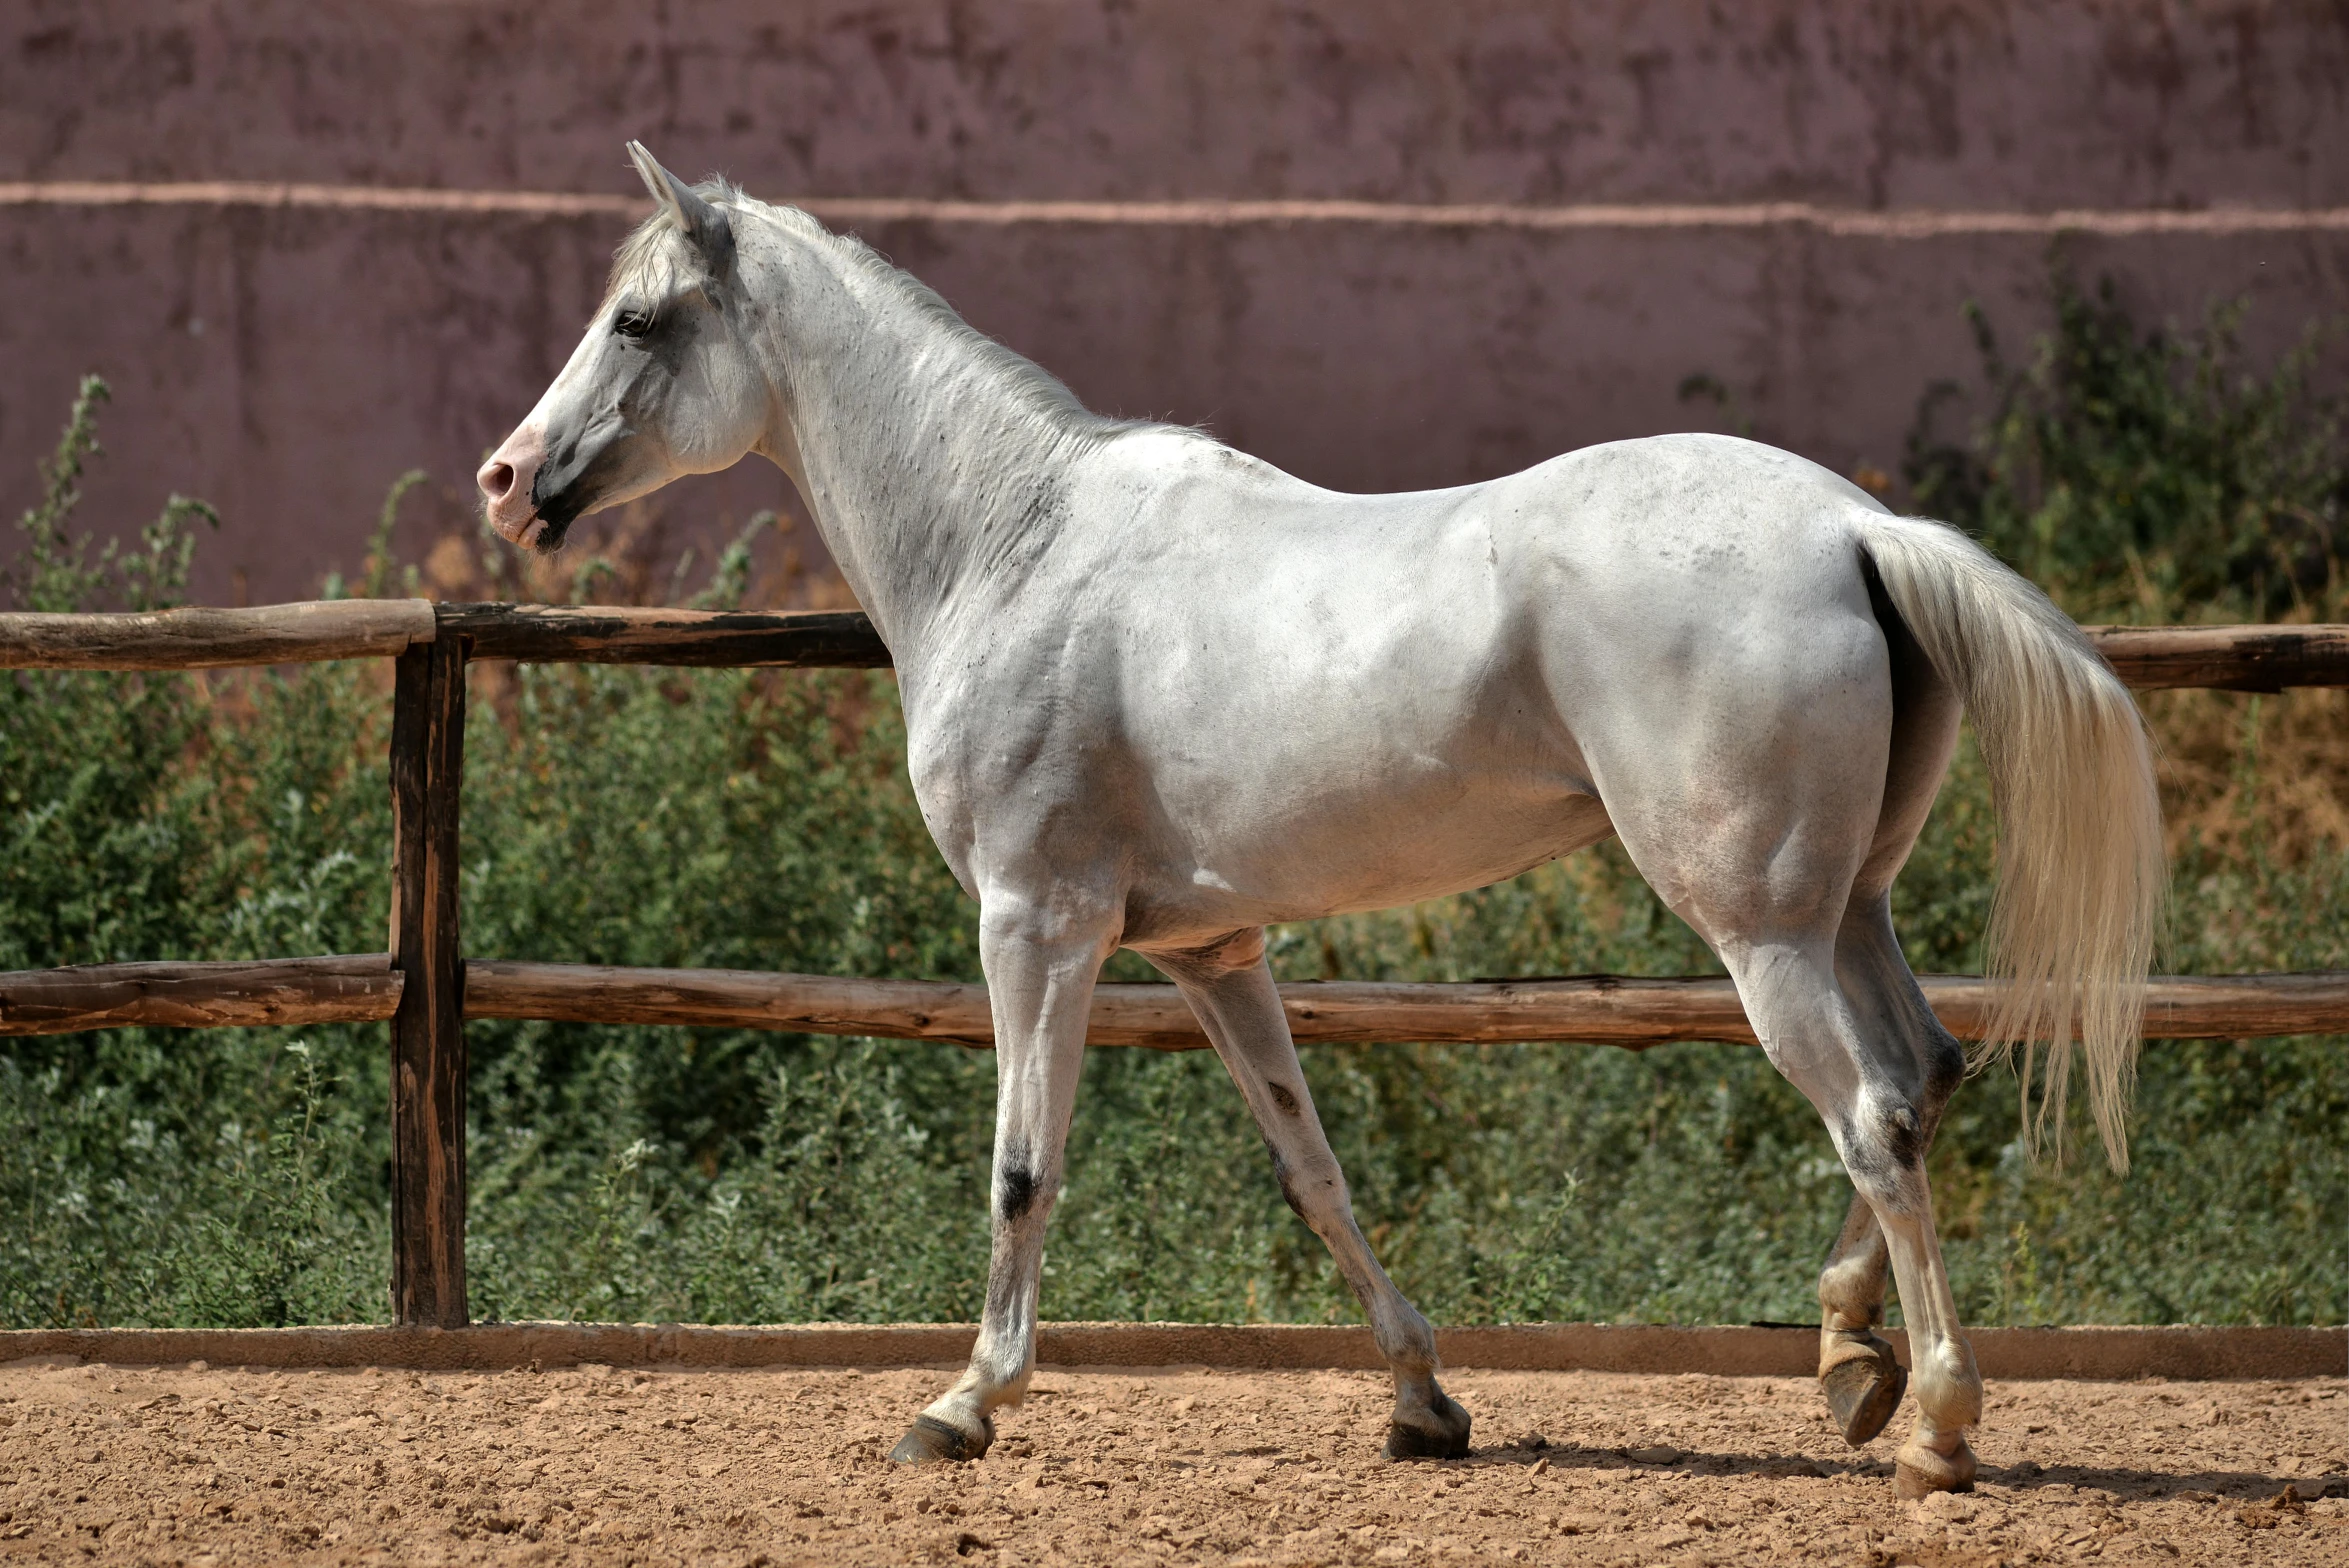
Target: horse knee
x,y
1314,1186
1023,1191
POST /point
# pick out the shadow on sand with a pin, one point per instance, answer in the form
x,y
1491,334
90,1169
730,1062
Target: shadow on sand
x,y
2133,1484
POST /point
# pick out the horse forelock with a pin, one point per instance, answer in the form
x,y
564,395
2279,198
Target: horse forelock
x,y
655,258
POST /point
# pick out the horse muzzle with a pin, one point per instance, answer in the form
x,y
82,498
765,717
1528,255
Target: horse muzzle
x,y
508,482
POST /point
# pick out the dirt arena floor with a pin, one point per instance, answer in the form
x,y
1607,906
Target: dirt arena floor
x,y
738,1468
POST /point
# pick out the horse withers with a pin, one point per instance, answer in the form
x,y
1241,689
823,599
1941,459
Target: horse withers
x,y
1159,694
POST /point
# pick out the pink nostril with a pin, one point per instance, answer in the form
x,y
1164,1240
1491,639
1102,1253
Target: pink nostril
x,y
497,480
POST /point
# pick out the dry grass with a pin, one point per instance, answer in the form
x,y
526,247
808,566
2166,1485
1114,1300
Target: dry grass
x,y
2246,774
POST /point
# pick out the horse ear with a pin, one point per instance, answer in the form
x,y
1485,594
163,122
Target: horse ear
x,y
705,225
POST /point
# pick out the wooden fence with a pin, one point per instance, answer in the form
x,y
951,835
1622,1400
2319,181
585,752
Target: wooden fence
x,y
426,988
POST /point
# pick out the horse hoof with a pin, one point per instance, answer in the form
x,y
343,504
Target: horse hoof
x,y
1863,1392
1443,1436
1917,1471
931,1441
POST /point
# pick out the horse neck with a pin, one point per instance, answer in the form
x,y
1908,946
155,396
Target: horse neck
x,y
928,456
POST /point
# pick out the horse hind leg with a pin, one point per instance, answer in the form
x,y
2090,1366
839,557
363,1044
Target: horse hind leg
x,y
1858,1372
1761,825
1890,1226
1879,1106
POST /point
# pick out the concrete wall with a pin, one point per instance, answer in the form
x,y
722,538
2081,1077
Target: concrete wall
x,y
287,363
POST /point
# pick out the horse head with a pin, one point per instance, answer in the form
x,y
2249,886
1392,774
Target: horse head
x,y
664,383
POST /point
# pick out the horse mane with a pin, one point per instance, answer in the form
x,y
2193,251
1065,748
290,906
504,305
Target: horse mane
x,y
647,257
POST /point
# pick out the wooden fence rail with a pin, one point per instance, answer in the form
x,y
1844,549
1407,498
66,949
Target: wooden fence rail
x,y
2227,658
425,988
1631,1011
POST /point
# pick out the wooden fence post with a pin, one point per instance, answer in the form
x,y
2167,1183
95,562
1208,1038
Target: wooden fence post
x,y
428,1067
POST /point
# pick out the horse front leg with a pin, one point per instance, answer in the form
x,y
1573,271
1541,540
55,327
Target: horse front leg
x,y
1230,989
1041,964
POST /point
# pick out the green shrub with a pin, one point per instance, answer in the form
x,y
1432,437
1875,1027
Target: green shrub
x,y
2148,476
734,819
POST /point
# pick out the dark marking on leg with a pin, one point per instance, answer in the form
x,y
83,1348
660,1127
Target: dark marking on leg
x,y
1019,1192
1282,1098
1904,1138
1879,1149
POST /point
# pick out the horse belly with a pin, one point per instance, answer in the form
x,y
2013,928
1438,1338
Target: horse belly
x,y
1291,833
1316,742
1408,850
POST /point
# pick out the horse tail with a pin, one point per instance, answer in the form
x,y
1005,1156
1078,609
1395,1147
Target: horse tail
x,y
2081,869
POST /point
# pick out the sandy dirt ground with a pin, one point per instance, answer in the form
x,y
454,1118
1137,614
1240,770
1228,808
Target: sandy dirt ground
x,y
222,1466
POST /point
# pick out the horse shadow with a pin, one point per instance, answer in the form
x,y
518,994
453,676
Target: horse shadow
x,y
2135,1484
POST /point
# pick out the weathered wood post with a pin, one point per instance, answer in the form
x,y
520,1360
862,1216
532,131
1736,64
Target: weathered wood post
x,y
428,1067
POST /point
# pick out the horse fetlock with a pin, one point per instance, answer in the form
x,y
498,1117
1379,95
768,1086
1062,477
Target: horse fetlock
x,y
1851,1291
998,1376
1858,1323
1933,1461
1862,1380
1429,1427
1949,1390
1405,1339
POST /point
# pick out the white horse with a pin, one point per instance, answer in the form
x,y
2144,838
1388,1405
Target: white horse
x,y
1159,694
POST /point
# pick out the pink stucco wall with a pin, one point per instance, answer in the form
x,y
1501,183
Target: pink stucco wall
x,y
287,364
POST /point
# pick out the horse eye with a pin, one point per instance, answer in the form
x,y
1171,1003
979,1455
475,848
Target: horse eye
x,y
632,323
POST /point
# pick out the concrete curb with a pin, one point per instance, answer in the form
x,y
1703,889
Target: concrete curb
x,y
2188,1353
